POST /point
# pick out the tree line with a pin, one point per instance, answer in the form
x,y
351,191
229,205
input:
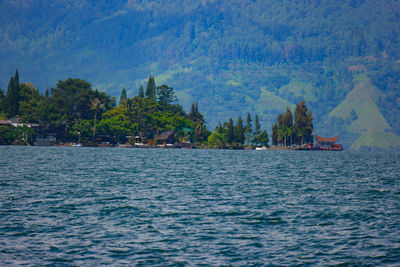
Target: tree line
x,y
288,131
75,112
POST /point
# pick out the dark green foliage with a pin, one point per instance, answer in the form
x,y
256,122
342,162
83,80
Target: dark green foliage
x,y
13,96
248,128
263,139
194,114
123,98
141,93
165,95
30,99
303,124
201,132
257,125
230,134
239,131
16,135
151,88
274,134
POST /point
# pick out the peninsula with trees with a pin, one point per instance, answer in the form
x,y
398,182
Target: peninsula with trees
x,y
74,113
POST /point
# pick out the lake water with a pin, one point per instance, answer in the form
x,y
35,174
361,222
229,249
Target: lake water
x,y
114,206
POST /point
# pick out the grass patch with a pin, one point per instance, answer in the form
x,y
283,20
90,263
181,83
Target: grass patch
x,y
377,140
362,100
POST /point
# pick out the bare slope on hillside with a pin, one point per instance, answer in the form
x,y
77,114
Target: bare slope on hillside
x,y
360,109
362,101
377,140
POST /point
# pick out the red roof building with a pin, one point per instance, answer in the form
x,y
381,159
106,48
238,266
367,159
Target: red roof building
x,y
326,141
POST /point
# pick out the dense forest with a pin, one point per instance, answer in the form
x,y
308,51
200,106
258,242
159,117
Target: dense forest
x,y
232,57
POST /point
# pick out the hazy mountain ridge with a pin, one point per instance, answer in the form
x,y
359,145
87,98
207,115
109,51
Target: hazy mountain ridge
x,y
233,57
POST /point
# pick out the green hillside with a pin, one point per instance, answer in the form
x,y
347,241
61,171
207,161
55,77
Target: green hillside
x,y
359,106
374,140
231,56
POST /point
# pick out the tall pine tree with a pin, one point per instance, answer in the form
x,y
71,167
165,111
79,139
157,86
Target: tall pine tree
x,y
151,88
249,128
13,95
239,131
123,98
230,134
274,134
141,93
256,133
257,125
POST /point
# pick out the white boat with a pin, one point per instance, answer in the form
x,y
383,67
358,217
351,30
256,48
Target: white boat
x,y
77,145
262,148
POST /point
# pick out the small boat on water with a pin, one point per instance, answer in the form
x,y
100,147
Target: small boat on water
x,y
77,145
262,148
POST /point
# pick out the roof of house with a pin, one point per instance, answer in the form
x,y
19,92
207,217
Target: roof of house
x,y
327,139
4,122
164,135
15,120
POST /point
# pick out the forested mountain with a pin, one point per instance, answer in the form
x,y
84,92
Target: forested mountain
x,y
232,57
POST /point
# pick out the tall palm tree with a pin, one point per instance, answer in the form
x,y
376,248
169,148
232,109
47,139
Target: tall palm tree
x,y
282,133
95,105
290,131
301,133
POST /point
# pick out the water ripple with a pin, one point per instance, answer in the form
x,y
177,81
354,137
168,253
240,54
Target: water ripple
x,y
93,206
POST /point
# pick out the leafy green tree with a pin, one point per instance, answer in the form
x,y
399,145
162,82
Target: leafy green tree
x,y
30,99
140,111
303,121
23,135
263,139
216,139
7,135
83,129
165,95
116,123
72,101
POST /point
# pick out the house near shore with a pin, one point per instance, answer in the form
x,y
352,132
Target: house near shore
x,y
167,137
17,122
327,143
5,123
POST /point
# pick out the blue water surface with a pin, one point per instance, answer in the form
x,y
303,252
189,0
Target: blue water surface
x,y
116,206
